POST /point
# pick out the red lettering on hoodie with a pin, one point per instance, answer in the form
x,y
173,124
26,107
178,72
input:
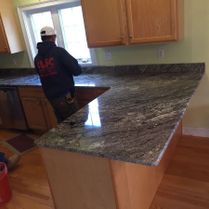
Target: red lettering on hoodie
x,y
47,67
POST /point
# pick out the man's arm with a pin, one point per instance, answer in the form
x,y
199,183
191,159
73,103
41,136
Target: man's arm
x,y
70,63
35,64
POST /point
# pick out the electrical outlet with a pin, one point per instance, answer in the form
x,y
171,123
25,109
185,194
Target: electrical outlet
x,y
161,53
107,55
14,61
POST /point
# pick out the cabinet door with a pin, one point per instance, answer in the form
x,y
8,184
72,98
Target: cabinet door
x,y
49,114
38,111
153,20
9,29
104,22
34,112
3,40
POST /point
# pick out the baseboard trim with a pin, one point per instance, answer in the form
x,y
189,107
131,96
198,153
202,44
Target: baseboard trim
x,y
202,132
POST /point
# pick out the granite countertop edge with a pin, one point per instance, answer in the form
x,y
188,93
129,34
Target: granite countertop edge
x,y
109,76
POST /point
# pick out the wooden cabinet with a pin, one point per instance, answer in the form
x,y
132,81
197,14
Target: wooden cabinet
x,y
153,21
4,47
10,39
104,22
118,22
102,183
39,113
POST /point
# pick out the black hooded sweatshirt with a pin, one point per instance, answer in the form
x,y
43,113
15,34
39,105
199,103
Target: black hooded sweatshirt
x,y
56,68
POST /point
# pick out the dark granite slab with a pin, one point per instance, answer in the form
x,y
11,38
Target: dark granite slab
x,y
19,77
135,119
17,80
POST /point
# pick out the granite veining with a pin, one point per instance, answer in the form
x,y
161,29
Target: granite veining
x,y
134,120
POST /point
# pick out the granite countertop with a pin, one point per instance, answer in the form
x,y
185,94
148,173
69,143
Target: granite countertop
x,y
24,80
134,120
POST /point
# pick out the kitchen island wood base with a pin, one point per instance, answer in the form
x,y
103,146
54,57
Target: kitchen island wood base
x,y
81,181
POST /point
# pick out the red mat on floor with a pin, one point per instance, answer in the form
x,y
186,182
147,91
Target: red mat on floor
x,y
21,143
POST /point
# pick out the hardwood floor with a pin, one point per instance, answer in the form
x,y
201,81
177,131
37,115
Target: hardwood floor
x,y
29,184
185,185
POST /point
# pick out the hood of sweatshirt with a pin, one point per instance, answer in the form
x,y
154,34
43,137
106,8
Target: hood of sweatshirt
x,y
45,47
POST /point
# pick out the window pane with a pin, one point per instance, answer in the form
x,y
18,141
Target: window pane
x,y
74,33
39,20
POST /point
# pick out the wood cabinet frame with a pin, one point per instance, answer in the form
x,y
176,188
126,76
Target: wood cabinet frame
x,y
38,112
93,182
128,22
89,7
10,36
4,46
176,19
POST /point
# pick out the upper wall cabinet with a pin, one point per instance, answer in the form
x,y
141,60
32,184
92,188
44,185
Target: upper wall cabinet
x,y
117,22
104,22
10,40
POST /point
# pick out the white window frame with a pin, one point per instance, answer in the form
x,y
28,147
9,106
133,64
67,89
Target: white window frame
x,y
25,25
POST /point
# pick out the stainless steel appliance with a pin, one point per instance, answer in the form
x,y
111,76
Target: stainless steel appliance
x,y
11,111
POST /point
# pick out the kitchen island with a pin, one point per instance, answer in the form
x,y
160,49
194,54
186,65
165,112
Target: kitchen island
x,y
134,119
114,151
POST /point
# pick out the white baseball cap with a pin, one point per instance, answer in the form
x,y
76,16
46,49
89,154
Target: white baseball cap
x,y
47,31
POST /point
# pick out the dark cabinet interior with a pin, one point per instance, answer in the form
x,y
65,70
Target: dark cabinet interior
x,y
86,94
11,110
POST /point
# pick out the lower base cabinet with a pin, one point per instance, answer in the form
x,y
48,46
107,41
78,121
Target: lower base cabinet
x,y
38,111
100,183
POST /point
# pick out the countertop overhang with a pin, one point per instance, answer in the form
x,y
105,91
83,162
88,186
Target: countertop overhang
x,y
134,120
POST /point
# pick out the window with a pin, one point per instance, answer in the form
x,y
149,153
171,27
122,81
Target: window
x,y
73,26
67,19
